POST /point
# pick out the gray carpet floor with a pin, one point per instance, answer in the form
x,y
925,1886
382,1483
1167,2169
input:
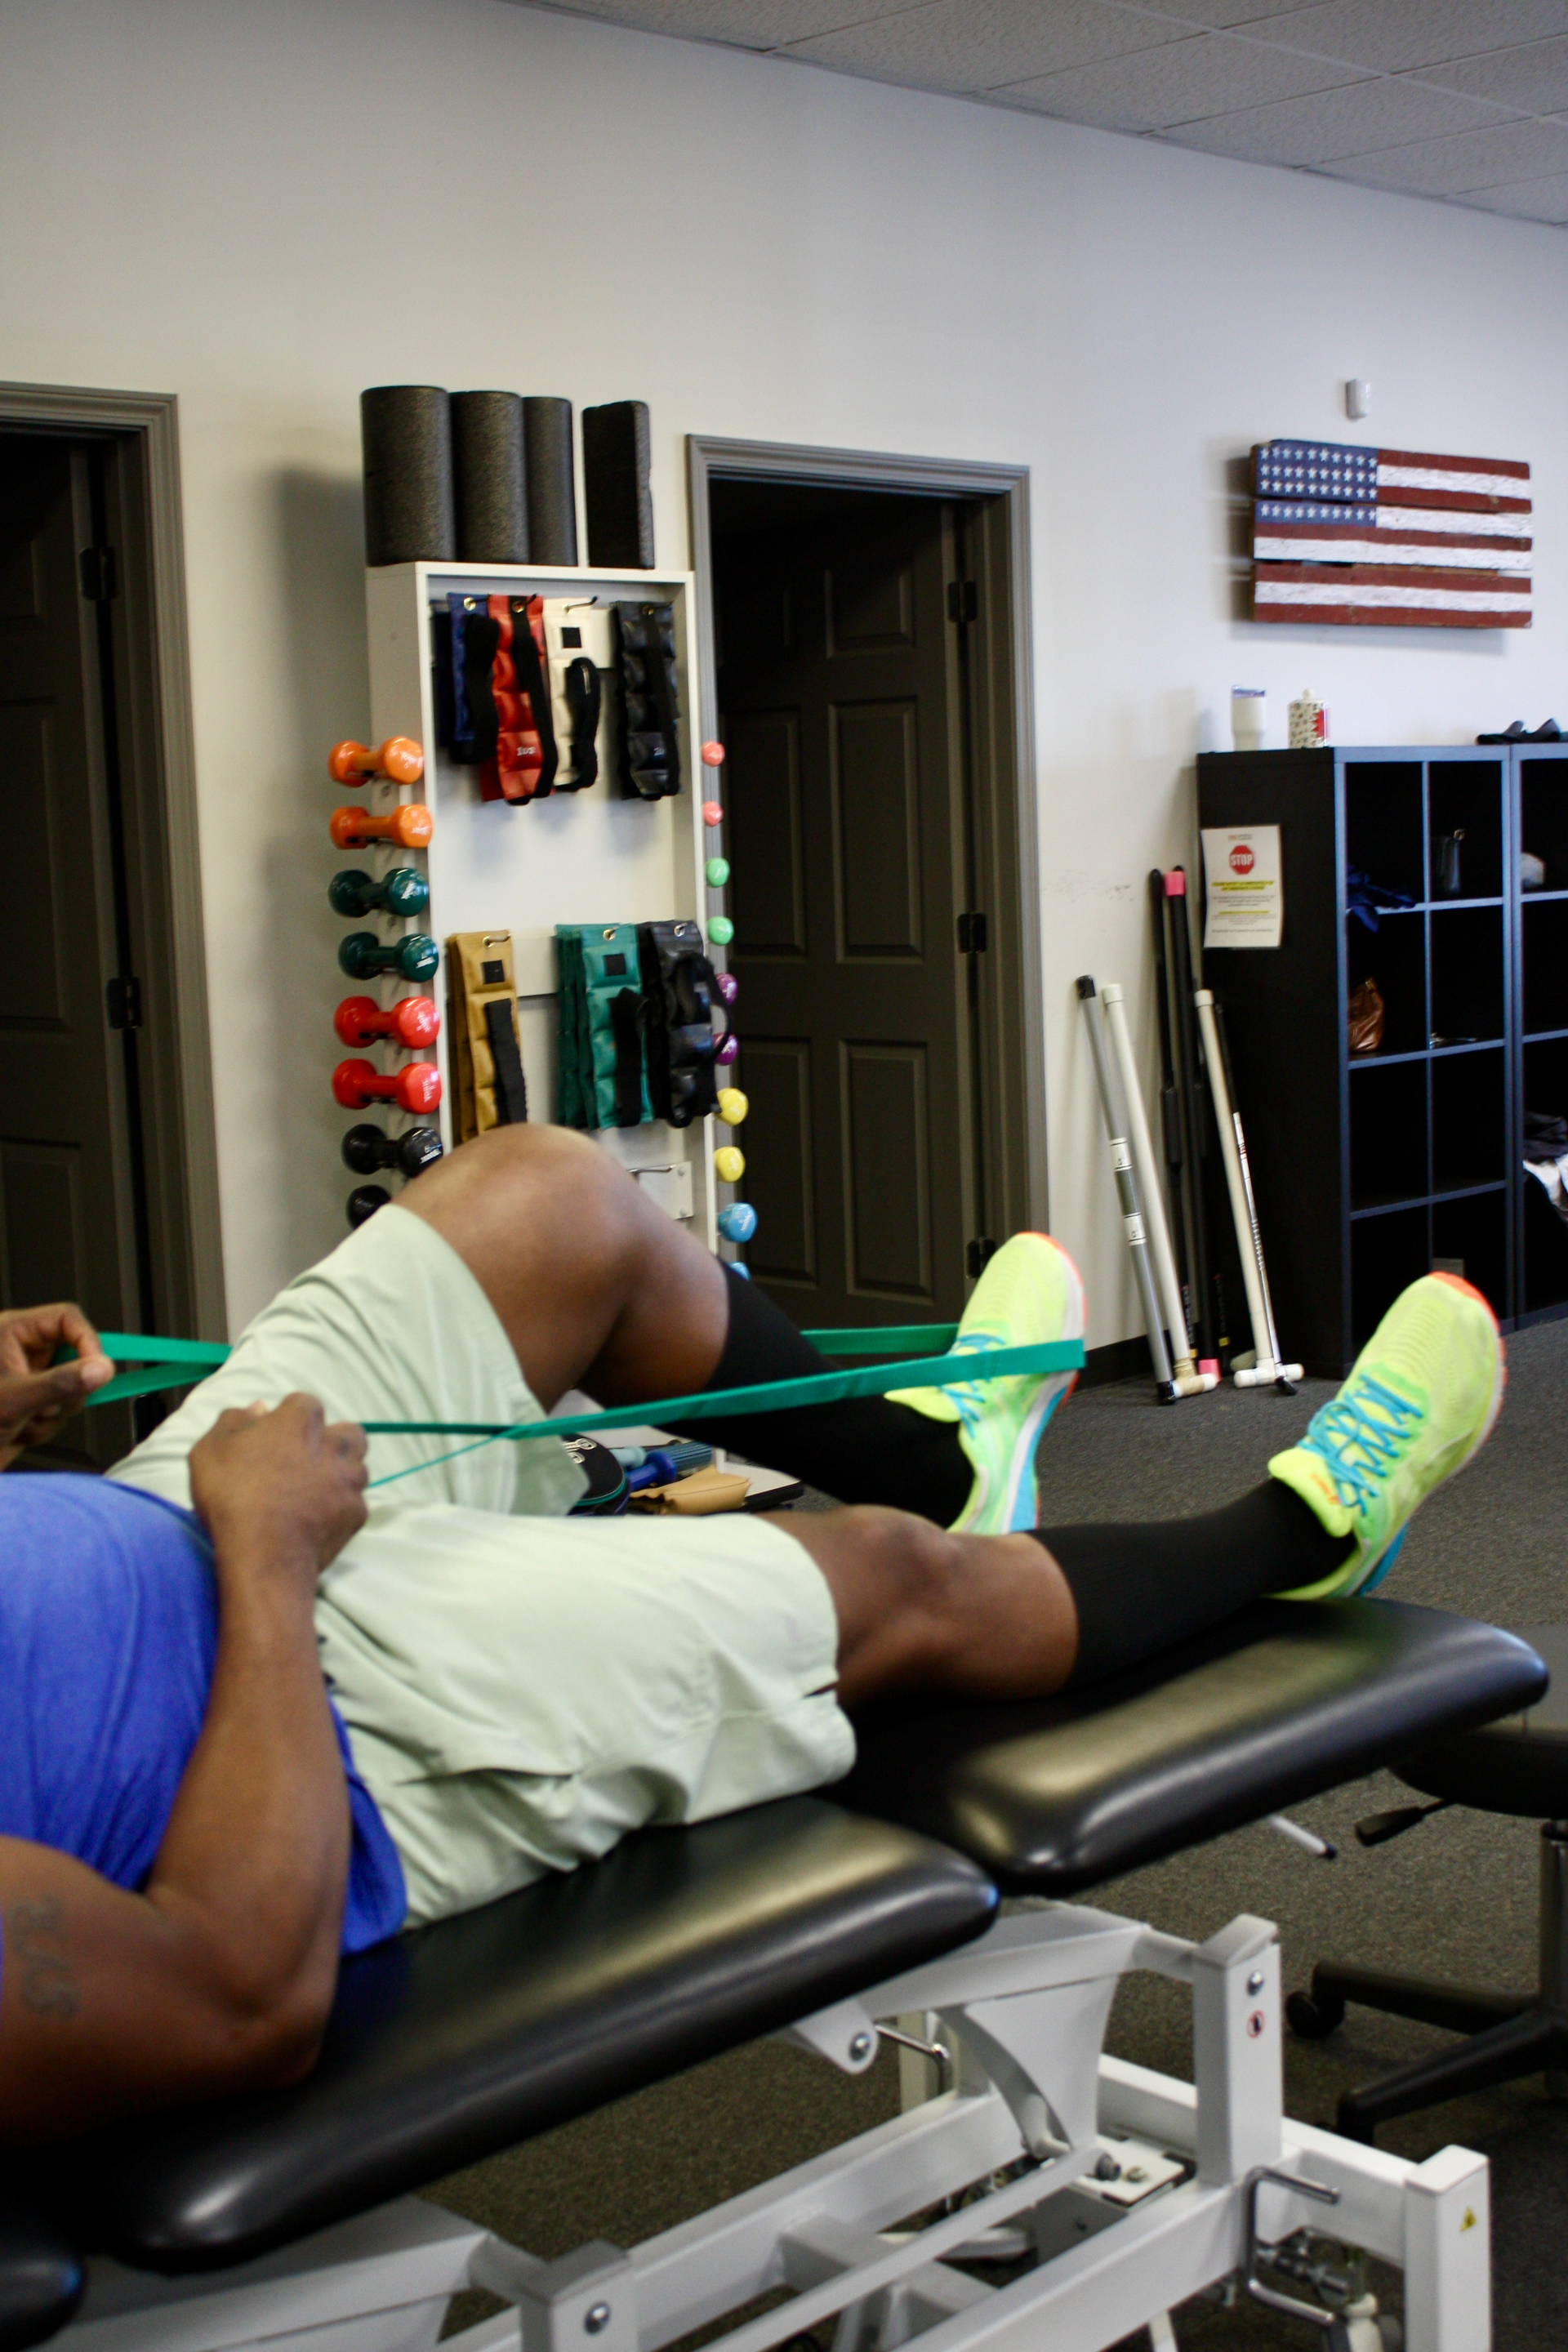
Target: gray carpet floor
x,y
1455,1898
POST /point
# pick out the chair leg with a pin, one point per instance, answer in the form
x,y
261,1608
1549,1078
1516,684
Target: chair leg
x,y
1533,2044
1555,1935
1423,1999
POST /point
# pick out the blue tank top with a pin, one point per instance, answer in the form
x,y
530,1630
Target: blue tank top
x,y
107,1633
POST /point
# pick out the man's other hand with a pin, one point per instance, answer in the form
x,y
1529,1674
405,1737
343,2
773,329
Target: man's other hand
x,y
37,1395
284,1487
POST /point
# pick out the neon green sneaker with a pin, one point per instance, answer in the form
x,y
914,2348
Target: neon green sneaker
x,y
1422,1399
1030,1290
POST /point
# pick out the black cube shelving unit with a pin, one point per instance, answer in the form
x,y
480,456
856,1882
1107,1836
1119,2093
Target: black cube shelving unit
x,y
1371,1168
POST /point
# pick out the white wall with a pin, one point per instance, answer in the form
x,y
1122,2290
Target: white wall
x,y
265,208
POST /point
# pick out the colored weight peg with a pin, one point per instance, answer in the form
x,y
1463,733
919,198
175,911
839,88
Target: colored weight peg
x,y
417,1087
409,827
415,1021
738,1223
712,755
364,957
363,1201
728,1164
712,812
402,892
721,930
728,986
732,1105
715,873
367,1150
399,760
726,1049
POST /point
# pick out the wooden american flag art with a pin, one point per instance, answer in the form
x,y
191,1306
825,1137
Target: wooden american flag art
x,y
1389,537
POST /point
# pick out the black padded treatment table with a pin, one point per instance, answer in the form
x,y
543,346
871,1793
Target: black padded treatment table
x,y
289,2218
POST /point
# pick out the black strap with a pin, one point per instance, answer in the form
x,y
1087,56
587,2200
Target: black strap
x,y
511,1091
626,1027
531,681
582,700
661,690
481,638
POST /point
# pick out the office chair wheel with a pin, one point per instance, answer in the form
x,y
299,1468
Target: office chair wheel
x,y
1313,2016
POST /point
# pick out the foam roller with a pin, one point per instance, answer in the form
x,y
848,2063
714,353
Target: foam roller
x,y
488,478
615,493
406,429
551,484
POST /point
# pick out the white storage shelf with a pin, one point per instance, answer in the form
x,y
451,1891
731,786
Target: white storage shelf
x,y
587,857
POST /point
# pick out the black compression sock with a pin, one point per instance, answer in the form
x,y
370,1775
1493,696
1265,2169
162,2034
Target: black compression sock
x,y
865,1450
1141,1588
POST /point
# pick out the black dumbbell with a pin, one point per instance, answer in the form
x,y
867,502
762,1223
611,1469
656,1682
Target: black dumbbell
x,y
364,957
401,892
367,1150
364,1201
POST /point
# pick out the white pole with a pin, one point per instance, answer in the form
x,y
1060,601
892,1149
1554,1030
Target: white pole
x,y
1189,1381
1248,1243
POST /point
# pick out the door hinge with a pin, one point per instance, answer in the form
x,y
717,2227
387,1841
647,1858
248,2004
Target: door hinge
x,y
122,998
963,601
97,579
978,1254
973,935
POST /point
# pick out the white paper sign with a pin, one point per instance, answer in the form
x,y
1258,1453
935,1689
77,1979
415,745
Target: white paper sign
x,y
1242,885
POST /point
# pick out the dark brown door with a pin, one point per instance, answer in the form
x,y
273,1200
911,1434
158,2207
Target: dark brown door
x,y
838,691
68,1201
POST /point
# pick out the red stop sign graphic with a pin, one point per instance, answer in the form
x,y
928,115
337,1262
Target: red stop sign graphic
x,y
1241,860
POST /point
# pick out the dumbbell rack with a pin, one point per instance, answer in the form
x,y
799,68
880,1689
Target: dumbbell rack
x,y
585,856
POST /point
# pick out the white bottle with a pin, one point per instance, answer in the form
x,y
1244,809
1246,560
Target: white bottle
x,y
1309,723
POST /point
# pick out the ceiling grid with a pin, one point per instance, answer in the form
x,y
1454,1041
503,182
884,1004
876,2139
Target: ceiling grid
x,y
1462,100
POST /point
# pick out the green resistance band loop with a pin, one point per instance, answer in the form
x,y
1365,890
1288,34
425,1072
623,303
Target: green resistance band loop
x,y
170,1364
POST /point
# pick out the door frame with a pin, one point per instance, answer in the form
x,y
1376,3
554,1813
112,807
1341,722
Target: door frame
x,y
178,1114
1002,730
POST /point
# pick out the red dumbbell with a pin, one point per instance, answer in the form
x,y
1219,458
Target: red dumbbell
x,y
414,1020
417,1087
399,759
409,827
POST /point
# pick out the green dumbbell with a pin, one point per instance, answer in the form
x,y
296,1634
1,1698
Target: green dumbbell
x,y
401,892
364,957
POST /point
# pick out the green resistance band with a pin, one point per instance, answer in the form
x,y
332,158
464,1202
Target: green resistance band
x,y
174,1363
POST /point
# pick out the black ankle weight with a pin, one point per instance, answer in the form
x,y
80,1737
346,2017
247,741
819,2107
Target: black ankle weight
x,y
677,987
650,716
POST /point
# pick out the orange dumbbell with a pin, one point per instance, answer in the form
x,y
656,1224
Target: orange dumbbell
x,y
416,1088
409,827
399,760
414,1020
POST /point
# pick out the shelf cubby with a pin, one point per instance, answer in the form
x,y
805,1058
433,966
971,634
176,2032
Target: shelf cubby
x,y
1470,1126
1469,800
1394,956
1470,1237
1388,1134
1384,825
1543,930
1466,957
1386,1254
1543,816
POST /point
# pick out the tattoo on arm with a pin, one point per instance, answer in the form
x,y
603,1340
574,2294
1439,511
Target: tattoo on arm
x,y
36,1944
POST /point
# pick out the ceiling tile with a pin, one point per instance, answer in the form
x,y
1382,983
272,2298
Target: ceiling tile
x,y
1233,16
1477,159
1184,81
1538,199
1534,80
1332,124
1398,35
745,24
974,45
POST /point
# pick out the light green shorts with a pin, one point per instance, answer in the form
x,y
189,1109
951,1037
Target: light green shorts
x,y
519,1688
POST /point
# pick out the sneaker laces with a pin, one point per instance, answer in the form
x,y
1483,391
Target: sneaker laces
x,y
1345,1423
971,1397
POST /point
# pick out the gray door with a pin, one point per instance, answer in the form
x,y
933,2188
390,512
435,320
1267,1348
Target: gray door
x,y
66,1199
845,801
